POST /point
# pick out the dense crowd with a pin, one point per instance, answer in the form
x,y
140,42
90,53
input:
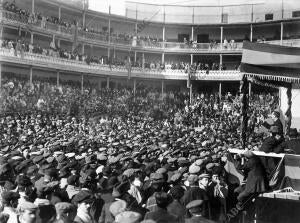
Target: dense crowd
x,y
109,156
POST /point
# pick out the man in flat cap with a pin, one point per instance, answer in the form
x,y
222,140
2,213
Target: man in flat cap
x,y
195,209
10,202
161,214
83,200
65,212
28,213
292,145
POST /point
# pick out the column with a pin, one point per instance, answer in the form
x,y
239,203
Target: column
x,y
221,38
57,78
83,18
251,32
164,33
250,90
82,48
162,88
135,56
107,82
32,6
109,24
108,53
0,75
59,12
59,16
134,88
136,28
192,59
220,90
99,84
163,58
143,60
53,38
81,83
31,37
281,32
30,75
191,93
221,61
192,37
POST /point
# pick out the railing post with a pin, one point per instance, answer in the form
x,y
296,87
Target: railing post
x,y
192,57
221,62
135,56
163,58
192,36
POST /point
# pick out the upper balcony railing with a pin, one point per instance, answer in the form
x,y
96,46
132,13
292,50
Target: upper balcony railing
x,y
127,42
38,60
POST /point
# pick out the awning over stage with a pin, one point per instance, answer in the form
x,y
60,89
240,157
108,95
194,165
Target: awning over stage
x,y
271,62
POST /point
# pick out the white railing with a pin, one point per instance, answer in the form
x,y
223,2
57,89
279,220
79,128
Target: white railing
x,y
8,55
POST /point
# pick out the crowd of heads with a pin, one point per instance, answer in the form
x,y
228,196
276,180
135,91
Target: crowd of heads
x,y
108,155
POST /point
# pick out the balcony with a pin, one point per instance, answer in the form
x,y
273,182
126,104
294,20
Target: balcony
x,y
65,65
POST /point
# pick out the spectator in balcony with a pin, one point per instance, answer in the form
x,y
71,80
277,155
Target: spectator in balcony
x,y
225,44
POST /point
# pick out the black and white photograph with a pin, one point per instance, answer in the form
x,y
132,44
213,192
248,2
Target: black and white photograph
x,y
149,111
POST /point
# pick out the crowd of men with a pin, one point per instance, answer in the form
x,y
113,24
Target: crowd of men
x,y
109,156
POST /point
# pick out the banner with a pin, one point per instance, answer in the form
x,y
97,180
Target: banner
x,y
262,58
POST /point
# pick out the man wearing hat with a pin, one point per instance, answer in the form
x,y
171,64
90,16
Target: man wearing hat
x,y
276,118
195,208
292,145
28,213
161,214
83,200
270,143
65,212
10,202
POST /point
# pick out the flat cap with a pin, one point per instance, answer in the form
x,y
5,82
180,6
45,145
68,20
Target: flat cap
x,y
117,207
128,217
193,169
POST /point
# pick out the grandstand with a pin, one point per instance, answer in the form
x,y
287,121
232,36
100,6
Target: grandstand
x,y
162,85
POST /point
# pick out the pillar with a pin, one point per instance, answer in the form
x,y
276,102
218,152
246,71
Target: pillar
x,y
250,90
162,88
192,33
192,59
136,28
281,32
134,88
30,75
107,82
53,38
220,90
163,58
58,43
32,6
221,61
143,60
83,18
221,38
81,83
82,48
31,37
109,24
164,33
191,93
251,32
57,78
99,84
135,56
59,12
0,75
108,52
